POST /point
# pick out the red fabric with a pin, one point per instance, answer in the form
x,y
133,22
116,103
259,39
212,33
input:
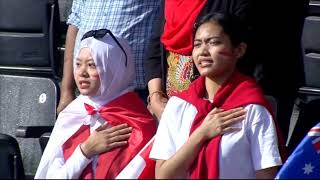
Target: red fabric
x,y
180,16
238,91
69,146
127,108
149,170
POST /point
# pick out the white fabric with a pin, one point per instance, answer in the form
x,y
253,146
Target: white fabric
x,y
116,80
136,166
252,148
78,161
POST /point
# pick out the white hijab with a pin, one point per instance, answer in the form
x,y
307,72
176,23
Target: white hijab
x,y
116,79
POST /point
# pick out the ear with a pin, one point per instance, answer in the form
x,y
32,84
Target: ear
x,y
240,50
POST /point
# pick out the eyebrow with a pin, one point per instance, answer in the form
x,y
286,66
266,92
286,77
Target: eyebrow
x,y
87,59
209,38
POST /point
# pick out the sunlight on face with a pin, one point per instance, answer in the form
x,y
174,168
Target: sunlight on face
x,y
213,53
86,74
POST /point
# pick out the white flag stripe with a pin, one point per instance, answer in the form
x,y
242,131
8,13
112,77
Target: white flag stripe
x,y
313,133
133,169
135,166
145,147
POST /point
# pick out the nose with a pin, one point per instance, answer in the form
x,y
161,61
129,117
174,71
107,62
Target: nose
x,y
204,50
83,71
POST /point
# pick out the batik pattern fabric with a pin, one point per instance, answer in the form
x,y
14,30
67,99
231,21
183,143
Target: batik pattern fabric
x,y
180,73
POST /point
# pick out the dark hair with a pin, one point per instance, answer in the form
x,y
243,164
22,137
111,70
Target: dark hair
x,y
231,24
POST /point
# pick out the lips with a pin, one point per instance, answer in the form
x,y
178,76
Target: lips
x,y
205,62
84,84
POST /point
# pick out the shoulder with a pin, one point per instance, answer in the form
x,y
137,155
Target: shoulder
x,y
258,114
178,113
177,104
73,111
256,108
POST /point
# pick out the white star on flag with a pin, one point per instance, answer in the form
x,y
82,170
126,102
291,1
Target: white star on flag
x,y
308,168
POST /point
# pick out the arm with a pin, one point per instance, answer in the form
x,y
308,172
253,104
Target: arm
x,y
103,139
264,144
157,98
68,83
177,166
153,68
217,122
268,173
70,169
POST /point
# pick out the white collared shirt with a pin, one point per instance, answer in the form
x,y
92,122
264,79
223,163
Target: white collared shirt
x,y
241,153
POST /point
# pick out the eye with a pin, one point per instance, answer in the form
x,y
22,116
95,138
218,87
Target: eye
x,y
92,65
214,42
196,44
78,64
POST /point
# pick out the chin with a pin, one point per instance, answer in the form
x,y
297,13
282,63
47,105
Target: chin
x,y
85,92
206,73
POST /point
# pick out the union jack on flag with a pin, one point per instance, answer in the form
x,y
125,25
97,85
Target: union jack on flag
x,y
304,162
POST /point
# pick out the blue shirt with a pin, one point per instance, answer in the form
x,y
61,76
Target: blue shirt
x,y
131,19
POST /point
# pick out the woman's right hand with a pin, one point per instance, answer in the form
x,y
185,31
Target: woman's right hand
x,y
218,122
106,138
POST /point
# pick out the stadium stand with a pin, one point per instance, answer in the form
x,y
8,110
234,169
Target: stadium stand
x,y
29,74
306,112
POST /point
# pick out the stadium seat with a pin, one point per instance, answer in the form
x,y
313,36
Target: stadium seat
x,y
29,36
10,158
28,109
306,112
30,69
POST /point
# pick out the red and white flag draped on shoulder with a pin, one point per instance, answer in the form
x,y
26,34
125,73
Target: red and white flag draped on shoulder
x,y
141,166
125,109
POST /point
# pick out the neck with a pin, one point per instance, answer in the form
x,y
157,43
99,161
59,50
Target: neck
x,y
211,88
214,83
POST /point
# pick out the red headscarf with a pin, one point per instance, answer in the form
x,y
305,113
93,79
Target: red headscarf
x,y
125,109
180,16
238,91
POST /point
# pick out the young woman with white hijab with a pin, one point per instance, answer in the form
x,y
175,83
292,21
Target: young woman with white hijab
x,y
97,134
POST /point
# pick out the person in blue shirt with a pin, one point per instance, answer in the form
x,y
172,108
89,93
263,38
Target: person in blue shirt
x,y
130,19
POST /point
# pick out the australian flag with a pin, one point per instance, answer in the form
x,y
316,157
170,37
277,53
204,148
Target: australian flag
x,y
304,162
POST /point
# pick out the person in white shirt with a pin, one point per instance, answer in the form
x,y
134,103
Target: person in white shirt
x,y
221,126
98,134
